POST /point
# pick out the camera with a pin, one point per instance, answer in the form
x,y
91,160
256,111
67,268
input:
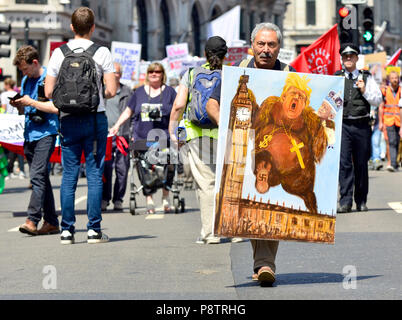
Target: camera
x,y
154,114
37,117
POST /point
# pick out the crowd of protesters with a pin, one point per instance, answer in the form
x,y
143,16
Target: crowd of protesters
x,y
129,115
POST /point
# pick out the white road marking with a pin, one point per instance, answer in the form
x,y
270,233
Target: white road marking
x,y
156,216
397,206
77,201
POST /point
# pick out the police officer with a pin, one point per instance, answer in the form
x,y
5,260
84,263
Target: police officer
x,y
361,91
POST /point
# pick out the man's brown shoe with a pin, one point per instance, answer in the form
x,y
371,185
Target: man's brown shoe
x,y
266,277
29,227
47,228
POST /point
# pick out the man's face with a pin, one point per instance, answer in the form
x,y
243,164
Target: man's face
x,y
294,102
350,60
266,49
394,79
30,70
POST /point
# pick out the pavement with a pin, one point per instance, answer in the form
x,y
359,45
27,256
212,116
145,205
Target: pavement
x,y
155,257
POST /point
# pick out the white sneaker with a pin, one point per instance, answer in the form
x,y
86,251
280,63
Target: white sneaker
x,y
212,240
208,240
21,175
13,175
97,237
236,240
67,237
104,205
118,205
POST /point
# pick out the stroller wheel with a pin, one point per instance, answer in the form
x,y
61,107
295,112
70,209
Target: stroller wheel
x,y
133,205
176,204
182,205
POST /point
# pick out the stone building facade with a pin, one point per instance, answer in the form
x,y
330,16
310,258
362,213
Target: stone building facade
x,y
49,21
153,23
157,23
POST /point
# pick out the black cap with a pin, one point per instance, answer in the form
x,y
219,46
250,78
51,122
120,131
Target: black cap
x,y
216,46
349,48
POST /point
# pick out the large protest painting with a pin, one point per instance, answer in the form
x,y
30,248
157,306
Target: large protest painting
x,y
278,155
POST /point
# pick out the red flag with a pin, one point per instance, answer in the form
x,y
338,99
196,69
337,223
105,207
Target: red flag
x,y
394,59
56,155
321,57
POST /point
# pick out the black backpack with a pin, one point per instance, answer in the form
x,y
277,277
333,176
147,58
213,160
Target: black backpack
x,y
76,90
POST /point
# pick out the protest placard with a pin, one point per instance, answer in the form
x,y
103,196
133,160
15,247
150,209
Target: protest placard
x,y
128,55
177,54
278,155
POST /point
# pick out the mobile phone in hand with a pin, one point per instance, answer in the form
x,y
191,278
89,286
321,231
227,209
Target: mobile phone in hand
x,y
17,96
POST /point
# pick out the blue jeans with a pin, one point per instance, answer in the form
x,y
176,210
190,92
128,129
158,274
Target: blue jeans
x,y
78,135
376,144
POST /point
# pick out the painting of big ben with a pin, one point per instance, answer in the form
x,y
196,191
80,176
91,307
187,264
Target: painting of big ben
x,y
278,155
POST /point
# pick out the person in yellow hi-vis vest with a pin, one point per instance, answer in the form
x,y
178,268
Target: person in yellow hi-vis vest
x,y
390,119
200,134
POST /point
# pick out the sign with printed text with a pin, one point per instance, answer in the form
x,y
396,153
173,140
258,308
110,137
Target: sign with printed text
x,y
235,55
128,55
177,54
286,56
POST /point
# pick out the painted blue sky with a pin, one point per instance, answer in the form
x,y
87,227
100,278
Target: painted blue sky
x,y
265,83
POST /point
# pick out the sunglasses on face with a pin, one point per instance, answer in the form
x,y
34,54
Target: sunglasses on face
x,y
155,71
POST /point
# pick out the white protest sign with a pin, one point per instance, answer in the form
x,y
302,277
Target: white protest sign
x,y
12,128
286,56
235,55
177,54
128,55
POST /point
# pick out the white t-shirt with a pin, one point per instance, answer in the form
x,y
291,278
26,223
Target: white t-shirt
x,y
4,100
102,58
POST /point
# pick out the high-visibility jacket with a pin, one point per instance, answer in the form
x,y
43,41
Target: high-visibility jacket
x,y
391,113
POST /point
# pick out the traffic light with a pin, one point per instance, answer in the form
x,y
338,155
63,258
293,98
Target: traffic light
x,y
347,25
5,38
368,29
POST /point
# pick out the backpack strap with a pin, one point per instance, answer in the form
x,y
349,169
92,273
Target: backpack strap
x,y
92,49
244,63
65,49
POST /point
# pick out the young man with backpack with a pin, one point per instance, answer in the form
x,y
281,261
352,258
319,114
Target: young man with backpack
x,y
74,81
201,134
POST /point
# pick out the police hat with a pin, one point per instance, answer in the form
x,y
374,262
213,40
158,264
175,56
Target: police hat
x,y
349,48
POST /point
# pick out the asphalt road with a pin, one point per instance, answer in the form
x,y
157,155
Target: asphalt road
x,y
156,257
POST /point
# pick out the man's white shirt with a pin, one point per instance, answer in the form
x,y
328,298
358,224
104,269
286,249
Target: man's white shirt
x,y
373,93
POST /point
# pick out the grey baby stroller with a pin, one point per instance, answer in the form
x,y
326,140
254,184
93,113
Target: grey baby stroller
x,y
155,168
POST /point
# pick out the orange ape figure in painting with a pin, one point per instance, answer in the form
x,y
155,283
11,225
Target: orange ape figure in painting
x,y
289,140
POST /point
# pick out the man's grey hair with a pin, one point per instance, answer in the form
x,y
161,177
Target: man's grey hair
x,y
266,26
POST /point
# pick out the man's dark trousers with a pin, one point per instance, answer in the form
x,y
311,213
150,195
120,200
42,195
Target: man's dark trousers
x,y
38,154
393,143
355,153
121,163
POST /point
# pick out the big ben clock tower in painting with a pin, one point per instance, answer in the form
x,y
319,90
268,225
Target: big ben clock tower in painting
x,y
230,192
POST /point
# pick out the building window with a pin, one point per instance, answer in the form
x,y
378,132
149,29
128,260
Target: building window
x,y
31,1
143,28
310,12
195,25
